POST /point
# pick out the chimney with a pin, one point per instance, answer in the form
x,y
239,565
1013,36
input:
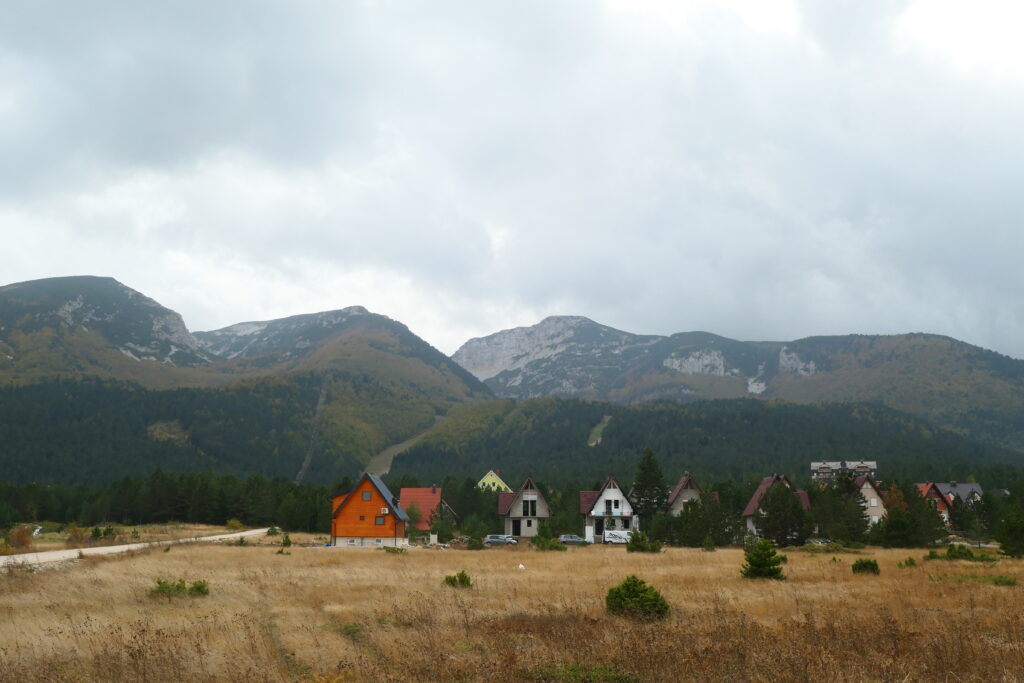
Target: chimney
x,y
433,489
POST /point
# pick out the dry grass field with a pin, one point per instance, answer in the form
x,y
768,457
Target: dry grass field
x,y
365,615
145,533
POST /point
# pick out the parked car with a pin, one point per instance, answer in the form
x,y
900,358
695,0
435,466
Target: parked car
x,y
500,539
619,537
571,539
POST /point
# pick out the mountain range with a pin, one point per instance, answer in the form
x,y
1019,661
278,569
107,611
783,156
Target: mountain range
x,y
958,386
321,394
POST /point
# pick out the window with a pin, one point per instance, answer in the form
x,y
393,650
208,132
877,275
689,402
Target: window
x,y
351,541
616,503
367,495
874,502
529,508
379,520
625,522
529,522
362,518
377,541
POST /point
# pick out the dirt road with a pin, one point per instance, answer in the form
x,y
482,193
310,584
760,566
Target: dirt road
x,y
73,553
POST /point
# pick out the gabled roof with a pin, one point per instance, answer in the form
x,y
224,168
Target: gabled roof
x,y
959,490
589,498
394,506
687,482
766,484
426,499
505,499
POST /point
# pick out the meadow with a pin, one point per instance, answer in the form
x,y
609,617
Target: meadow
x,y
327,614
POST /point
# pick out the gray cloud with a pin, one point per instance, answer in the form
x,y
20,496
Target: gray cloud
x,y
758,171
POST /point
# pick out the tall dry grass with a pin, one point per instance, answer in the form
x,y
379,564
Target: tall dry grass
x,y
355,615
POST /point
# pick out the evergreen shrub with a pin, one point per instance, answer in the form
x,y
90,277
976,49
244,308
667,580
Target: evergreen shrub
x,y
634,598
762,562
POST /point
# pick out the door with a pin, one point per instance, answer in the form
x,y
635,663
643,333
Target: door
x,y
517,527
599,527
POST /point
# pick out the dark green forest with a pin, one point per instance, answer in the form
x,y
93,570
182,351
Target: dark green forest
x,y
738,440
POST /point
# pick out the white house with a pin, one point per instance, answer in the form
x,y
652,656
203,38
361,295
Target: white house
x,y
523,510
606,510
873,504
686,490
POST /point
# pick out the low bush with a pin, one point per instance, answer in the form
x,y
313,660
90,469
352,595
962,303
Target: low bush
x,y
273,531
708,545
865,566
955,551
286,542
460,580
234,525
178,589
20,537
393,550
543,543
909,562
634,598
640,543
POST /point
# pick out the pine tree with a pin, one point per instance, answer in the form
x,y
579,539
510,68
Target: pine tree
x,y
650,493
762,562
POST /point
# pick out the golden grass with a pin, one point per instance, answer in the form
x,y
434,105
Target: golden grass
x,y
355,615
54,540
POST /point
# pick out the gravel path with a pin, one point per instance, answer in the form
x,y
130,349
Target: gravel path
x,y
73,553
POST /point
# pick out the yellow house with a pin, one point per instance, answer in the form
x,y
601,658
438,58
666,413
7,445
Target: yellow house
x,y
492,482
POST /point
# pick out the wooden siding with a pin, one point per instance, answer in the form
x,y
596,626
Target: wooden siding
x,y
347,520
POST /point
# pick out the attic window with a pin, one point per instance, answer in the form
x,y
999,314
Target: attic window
x,y
379,520
367,495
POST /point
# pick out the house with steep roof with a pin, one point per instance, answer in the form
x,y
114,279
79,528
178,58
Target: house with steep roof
x,y
754,506
523,510
874,506
960,492
942,504
430,503
492,481
685,491
608,509
368,515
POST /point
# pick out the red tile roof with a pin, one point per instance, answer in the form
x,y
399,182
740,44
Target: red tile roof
x,y
505,501
426,499
587,500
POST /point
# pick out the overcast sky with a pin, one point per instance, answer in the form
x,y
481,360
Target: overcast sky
x,y
762,170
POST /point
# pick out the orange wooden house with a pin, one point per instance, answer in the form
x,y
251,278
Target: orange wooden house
x,y
368,515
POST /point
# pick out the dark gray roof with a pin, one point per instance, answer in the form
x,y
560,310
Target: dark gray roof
x,y
384,491
961,490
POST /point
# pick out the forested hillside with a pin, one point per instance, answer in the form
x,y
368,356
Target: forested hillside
x,y
95,431
728,439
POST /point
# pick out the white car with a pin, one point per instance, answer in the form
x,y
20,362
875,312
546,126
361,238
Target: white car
x,y
620,537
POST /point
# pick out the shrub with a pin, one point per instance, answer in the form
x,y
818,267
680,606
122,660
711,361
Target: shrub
x,y
96,534
234,525
20,537
77,536
762,562
239,541
960,552
708,545
545,543
352,630
286,542
178,589
393,550
909,562
460,580
282,551
634,598
865,566
273,531
640,543
475,543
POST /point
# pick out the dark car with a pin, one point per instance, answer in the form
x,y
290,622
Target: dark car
x,y
571,539
499,539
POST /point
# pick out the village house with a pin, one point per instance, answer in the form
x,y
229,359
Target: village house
x,y
493,482
957,493
874,507
606,510
685,491
754,506
942,504
523,510
368,515
429,502
832,469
